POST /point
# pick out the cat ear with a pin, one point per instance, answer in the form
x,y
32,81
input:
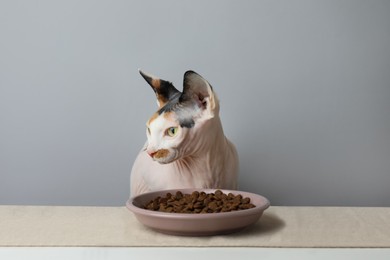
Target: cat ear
x,y
195,87
164,89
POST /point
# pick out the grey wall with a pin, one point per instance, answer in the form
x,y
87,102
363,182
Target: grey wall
x,y
304,89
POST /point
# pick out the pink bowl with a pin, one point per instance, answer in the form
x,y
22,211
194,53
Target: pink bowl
x,y
197,224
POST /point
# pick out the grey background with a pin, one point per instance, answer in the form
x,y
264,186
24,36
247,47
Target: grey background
x,y
304,89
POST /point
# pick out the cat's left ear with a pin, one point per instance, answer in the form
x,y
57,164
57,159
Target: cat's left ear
x,y
195,87
164,89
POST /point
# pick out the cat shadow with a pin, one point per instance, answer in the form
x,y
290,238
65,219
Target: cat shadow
x,y
268,223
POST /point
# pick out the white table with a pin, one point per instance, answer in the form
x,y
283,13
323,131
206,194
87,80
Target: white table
x,y
114,233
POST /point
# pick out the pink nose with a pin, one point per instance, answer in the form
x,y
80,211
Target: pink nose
x,y
151,154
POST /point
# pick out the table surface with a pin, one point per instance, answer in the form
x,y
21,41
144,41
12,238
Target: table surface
x,y
191,253
288,227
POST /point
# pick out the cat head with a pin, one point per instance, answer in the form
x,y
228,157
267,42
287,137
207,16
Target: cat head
x,y
180,115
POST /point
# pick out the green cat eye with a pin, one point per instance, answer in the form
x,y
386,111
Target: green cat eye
x,y
172,131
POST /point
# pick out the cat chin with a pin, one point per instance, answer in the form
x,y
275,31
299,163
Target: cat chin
x,y
165,160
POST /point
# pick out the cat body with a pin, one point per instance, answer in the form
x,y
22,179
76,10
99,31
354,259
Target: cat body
x,y
186,146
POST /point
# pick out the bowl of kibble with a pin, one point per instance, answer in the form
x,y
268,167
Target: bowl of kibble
x,y
198,212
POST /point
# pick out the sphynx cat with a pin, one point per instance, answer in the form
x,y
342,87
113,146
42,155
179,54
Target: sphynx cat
x,y
186,146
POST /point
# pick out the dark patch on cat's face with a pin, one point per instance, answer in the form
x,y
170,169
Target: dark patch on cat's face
x,y
170,105
182,110
188,123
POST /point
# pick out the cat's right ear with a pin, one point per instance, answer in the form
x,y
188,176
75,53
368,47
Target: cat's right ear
x,y
164,89
196,88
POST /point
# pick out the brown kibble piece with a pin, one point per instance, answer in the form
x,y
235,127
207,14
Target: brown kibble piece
x,y
202,196
195,195
179,195
245,200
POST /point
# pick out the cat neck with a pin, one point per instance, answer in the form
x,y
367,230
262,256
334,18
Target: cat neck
x,y
212,157
209,152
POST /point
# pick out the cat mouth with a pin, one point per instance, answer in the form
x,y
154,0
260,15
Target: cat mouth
x,y
162,153
163,156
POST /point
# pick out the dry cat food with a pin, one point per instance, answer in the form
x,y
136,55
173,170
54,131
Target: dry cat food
x,y
199,202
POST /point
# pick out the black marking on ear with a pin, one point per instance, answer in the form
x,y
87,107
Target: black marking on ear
x,y
164,90
167,91
147,78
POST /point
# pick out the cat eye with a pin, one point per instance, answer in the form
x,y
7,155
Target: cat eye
x,y
148,130
172,131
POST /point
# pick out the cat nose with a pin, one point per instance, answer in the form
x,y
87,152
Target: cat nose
x,y
151,153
